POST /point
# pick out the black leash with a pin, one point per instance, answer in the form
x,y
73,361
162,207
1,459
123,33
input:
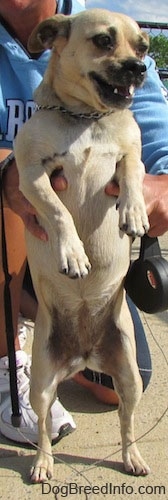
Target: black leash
x,y
16,415
67,7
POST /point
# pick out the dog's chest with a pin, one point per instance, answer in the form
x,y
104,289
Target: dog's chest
x,y
79,149
88,156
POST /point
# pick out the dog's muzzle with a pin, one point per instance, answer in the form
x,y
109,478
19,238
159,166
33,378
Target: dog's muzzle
x,y
116,87
135,66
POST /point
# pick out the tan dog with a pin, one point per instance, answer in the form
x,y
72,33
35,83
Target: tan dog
x,y
85,128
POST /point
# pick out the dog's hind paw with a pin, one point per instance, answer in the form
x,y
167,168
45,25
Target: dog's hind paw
x,y
134,464
74,263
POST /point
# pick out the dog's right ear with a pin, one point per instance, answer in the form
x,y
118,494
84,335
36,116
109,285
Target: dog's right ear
x,y
44,35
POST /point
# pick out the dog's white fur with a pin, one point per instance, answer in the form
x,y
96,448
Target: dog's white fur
x,y
84,322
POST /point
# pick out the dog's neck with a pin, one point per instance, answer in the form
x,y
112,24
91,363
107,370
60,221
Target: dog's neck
x,y
94,115
46,98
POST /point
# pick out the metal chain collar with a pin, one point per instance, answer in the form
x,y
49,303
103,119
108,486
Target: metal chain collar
x,y
90,116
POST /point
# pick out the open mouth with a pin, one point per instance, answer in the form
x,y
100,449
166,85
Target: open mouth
x,y
118,94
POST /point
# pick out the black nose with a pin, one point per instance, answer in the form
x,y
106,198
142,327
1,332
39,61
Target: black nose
x,y
134,65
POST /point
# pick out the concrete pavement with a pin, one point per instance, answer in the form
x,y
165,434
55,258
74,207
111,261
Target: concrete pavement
x,y
87,463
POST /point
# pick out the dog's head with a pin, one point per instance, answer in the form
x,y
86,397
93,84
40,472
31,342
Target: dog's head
x,y
97,58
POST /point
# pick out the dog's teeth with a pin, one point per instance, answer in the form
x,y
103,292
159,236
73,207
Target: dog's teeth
x,y
116,91
131,90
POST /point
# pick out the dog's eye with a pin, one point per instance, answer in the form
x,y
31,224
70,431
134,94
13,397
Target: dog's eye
x,y
141,51
142,47
103,41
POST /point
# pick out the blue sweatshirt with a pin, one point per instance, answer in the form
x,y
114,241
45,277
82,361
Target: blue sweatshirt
x,y
20,75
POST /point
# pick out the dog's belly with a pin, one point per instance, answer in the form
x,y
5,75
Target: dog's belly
x,y
82,340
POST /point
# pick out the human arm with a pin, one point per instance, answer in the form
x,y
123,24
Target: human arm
x,y
150,110
13,197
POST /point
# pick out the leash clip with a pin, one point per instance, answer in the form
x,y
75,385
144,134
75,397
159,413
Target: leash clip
x,y
16,420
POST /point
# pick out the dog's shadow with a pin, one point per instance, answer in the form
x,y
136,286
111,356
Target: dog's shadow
x,y
77,398
21,464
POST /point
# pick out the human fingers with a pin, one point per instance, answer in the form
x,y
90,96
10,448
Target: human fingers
x,y
58,181
32,225
112,189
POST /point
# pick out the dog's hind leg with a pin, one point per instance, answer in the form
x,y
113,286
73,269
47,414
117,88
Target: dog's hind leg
x,y
44,383
128,385
119,355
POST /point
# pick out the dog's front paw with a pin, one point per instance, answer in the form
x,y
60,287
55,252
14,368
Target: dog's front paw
x,y
133,219
73,259
42,468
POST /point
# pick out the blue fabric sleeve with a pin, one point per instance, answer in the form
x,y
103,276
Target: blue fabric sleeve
x,y
150,109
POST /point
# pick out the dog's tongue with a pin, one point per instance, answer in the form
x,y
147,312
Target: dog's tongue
x,y
126,92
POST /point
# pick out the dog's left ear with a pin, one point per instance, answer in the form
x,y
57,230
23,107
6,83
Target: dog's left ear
x,y
44,35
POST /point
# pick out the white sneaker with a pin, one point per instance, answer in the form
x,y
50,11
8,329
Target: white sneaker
x,y
22,359
25,327
62,421
22,331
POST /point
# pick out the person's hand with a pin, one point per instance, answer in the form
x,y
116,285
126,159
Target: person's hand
x,y
58,180
155,189
19,204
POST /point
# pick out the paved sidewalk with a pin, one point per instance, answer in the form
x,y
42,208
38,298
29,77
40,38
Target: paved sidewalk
x,y
90,458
